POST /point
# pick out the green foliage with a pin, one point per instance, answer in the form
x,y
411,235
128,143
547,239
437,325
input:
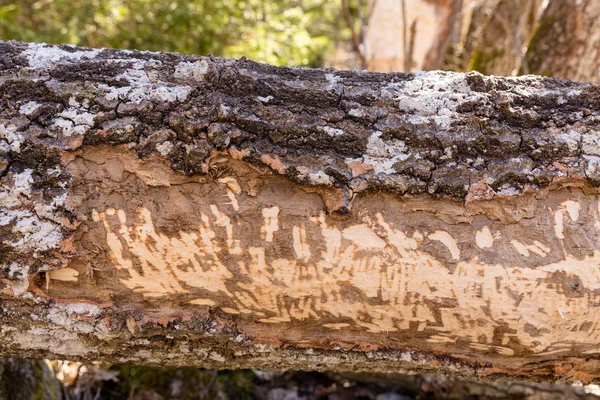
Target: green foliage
x,y
290,32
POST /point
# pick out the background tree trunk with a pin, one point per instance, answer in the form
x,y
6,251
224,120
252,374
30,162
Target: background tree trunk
x,y
27,379
168,209
498,36
566,42
408,35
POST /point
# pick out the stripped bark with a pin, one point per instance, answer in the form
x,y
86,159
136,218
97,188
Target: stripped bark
x,y
174,209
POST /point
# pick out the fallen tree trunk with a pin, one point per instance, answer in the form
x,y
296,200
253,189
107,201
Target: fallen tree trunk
x,y
170,209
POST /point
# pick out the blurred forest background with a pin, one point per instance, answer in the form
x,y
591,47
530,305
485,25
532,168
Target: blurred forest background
x,y
558,38
501,37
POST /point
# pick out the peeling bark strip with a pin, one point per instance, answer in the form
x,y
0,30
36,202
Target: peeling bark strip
x,y
174,209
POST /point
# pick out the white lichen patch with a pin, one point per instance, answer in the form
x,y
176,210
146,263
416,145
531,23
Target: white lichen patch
x,y
22,181
265,99
332,131
590,144
191,70
434,96
56,172
42,56
382,155
28,230
29,108
10,134
147,92
35,234
4,147
57,341
137,75
69,128
74,317
316,178
356,112
59,201
508,190
164,148
89,309
332,80
112,93
320,178
592,166
145,86
170,93
571,139
65,126
73,102
78,117
9,216
9,198
19,275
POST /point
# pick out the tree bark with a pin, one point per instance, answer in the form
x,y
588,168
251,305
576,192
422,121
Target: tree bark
x,y
566,42
170,209
498,35
27,379
407,35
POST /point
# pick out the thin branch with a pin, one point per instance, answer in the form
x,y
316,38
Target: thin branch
x,y
514,34
355,38
371,9
362,27
408,61
404,36
204,394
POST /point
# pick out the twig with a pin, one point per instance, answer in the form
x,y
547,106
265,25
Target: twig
x,y
362,28
515,39
371,9
355,38
404,38
206,391
411,46
74,384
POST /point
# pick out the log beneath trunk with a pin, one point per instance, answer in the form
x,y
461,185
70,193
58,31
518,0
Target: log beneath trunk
x,y
172,209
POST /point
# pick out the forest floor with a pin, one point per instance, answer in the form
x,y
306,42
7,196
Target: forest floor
x,y
95,381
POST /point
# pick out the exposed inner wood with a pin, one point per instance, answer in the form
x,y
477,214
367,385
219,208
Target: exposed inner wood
x,y
505,277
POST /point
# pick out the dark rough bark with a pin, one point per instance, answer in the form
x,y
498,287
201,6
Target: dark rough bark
x,y
566,42
172,209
